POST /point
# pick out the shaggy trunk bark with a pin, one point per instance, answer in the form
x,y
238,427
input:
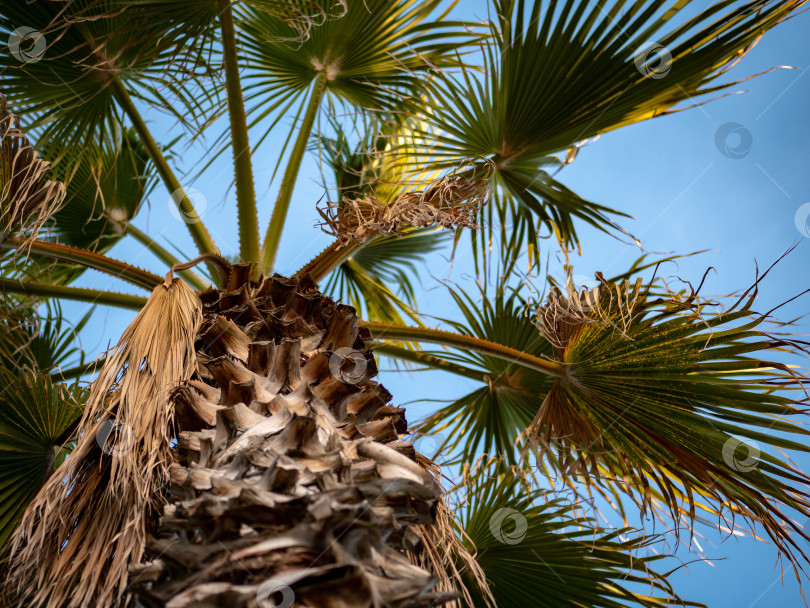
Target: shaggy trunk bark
x,y
290,487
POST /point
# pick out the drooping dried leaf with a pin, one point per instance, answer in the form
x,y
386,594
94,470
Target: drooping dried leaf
x,y
27,197
88,524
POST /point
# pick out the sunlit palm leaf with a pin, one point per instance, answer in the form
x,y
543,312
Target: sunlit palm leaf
x,y
377,277
560,73
534,552
36,417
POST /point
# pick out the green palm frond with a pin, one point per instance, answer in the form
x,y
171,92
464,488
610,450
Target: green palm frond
x,y
36,417
535,551
561,73
666,393
40,340
490,418
66,54
378,52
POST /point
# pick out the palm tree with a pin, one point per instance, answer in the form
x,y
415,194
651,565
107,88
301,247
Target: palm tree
x,y
233,448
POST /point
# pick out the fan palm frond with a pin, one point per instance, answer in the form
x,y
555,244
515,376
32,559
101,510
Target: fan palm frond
x,y
80,46
559,74
36,417
665,392
373,56
535,551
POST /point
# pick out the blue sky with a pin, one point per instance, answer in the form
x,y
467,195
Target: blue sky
x,y
669,173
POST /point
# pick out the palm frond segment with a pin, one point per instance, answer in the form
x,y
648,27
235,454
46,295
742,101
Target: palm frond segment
x,y
667,394
534,550
559,74
36,417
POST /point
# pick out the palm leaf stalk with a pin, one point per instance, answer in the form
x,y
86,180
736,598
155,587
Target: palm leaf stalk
x,y
199,233
245,191
122,270
327,260
79,294
395,332
165,256
273,237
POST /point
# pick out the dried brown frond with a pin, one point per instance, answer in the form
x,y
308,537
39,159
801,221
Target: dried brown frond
x,y
89,523
27,197
451,202
609,304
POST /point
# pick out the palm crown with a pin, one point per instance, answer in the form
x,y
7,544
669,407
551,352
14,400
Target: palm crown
x,y
429,131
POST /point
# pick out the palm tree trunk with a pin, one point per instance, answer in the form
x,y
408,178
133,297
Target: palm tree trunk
x,y
290,482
